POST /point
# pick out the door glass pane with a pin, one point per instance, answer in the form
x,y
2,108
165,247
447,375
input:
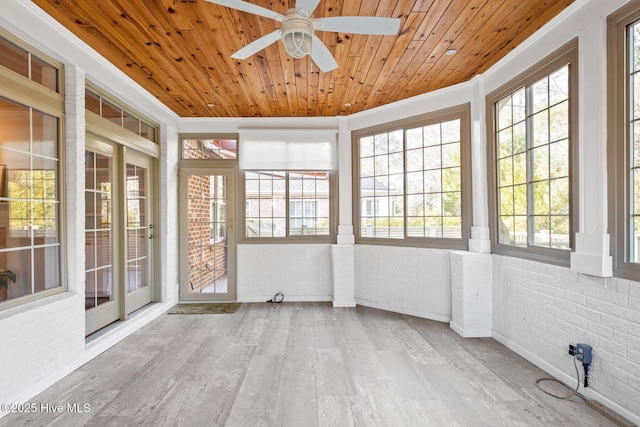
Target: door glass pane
x,y
138,230
208,225
98,230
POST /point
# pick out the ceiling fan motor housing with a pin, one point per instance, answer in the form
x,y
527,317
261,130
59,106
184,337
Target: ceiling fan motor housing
x,y
297,33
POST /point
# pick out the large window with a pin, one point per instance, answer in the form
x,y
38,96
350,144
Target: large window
x,y
532,134
31,107
624,140
29,201
287,203
413,181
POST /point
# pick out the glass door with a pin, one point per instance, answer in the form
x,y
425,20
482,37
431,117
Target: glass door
x,y
207,237
139,232
101,290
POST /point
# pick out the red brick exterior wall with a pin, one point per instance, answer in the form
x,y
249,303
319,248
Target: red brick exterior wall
x,y
207,260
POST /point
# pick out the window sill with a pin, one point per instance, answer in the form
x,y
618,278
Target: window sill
x,y
27,303
557,257
445,244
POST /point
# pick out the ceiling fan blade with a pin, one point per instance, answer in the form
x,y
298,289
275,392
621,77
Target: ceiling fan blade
x,y
257,45
359,25
321,55
249,7
307,5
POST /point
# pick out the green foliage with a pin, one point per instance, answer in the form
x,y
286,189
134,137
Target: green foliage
x,y
33,195
4,275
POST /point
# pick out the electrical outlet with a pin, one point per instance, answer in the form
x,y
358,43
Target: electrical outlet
x,y
584,353
572,350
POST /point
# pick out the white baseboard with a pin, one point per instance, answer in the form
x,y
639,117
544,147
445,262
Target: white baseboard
x,y
470,332
567,379
338,303
418,313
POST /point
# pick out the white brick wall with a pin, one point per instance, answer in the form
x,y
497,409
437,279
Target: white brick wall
x,y
301,271
37,340
540,309
413,281
471,284
343,270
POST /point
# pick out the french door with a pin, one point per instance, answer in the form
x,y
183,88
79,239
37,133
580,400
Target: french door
x,y
102,295
207,236
139,231
118,232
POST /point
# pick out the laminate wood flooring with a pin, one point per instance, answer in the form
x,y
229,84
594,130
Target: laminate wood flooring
x,y
305,365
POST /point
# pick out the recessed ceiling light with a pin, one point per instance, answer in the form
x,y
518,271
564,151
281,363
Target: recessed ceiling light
x,y
451,52
347,104
211,104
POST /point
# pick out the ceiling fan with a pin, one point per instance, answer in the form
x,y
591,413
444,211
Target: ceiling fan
x,y
299,26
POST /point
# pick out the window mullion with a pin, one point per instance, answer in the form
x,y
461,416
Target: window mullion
x,y
405,190
287,219
530,163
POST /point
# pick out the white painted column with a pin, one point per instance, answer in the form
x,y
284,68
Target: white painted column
x,y
592,251
471,294
74,160
342,254
480,241
169,225
472,272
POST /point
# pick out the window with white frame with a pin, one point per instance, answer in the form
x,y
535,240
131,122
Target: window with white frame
x,y
532,137
413,181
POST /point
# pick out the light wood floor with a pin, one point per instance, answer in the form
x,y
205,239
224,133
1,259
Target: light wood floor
x,y
306,365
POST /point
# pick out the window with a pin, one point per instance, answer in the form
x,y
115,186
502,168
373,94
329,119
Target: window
x,y
218,213
30,249
209,148
413,181
31,107
624,140
532,136
27,65
287,203
372,208
108,110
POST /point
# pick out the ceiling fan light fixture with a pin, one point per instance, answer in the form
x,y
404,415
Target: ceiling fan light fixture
x,y
297,34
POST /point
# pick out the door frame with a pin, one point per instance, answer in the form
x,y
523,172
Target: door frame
x,y
232,243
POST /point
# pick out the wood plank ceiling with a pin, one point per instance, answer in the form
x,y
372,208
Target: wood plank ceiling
x,y
179,50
